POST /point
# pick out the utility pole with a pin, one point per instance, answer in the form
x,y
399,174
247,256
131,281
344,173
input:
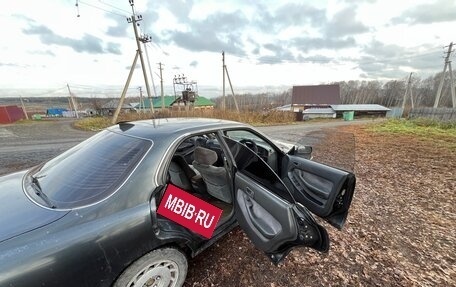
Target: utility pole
x,y
161,87
124,91
141,102
225,70
150,69
134,19
145,39
439,91
407,88
232,91
23,108
223,88
75,108
453,92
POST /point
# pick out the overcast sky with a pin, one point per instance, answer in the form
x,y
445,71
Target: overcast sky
x,y
267,43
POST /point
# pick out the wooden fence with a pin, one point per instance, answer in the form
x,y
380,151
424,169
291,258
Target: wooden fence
x,y
443,114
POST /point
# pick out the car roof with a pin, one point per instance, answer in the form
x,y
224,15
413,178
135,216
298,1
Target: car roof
x,y
172,128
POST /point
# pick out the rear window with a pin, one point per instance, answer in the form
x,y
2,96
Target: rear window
x,y
92,170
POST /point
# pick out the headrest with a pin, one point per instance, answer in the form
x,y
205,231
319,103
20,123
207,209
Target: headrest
x,y
205,156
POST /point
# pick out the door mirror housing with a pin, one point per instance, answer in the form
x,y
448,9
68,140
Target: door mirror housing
x,y
304,151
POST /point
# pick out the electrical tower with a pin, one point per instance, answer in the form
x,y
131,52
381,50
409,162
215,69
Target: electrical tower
x,y
439,91
187,89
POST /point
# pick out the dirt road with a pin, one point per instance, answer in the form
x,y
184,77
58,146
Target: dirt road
x,y
25,145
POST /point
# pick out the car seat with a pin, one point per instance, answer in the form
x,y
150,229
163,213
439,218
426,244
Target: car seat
x,y
180,173
216,178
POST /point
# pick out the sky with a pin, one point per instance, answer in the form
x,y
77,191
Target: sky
x,y
269,45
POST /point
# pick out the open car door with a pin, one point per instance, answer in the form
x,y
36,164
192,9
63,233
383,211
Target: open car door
x,y
265,208
326,191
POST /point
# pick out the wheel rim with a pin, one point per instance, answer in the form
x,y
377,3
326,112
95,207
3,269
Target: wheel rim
x,y
157,274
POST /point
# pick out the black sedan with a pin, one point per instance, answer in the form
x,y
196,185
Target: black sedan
x,y
91,216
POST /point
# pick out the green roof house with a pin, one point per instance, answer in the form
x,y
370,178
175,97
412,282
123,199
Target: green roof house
x,y
170,102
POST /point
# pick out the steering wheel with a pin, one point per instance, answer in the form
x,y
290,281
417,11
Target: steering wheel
x,y
250,144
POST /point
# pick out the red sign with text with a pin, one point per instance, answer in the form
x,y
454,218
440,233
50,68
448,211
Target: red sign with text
x,y
189,211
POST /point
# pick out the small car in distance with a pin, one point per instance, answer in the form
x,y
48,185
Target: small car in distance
x,y
88,217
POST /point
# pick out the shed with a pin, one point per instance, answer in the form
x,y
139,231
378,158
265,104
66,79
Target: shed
x,y
362,109
55,112
10,114
318,113
286,108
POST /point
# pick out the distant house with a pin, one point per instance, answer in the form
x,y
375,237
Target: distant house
x,y
10,114
110,107
318,96
55,112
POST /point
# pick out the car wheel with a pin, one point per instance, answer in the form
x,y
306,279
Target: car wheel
x,y
166,267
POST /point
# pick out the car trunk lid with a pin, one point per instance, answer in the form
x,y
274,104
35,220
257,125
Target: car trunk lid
x,y
19,214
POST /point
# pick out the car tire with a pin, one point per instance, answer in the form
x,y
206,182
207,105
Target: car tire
x,y
161,267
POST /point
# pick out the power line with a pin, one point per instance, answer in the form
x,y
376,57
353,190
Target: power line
x,y
102,9
112,6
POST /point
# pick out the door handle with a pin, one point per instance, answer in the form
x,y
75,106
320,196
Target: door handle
x,y
249,192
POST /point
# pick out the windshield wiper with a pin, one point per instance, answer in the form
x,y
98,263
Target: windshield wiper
x,y
38,191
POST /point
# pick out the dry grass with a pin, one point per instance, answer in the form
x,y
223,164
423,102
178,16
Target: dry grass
x,y
253,118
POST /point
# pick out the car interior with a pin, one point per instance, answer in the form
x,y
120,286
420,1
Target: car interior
x,y
199,167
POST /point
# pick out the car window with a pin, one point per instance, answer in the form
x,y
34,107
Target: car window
x,y
91,170
251,164
256,143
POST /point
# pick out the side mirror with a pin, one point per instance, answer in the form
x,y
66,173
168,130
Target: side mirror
x,y
302,151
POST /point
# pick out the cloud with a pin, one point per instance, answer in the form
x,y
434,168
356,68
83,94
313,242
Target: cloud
x,y
320,59
120,28
219,31
45,53
344,23
439,11
305,44
180,8
392,61
279,57
359,1
194,64
89,43
291,14
138,66
113,48
11,65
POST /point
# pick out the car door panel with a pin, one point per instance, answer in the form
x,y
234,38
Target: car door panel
x,y
326,191
265,210
274,225
266,218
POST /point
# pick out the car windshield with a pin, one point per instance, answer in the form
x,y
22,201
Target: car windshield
x,y
92,170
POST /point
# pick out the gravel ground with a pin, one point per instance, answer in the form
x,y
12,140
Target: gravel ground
x,y
28,144
401,230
